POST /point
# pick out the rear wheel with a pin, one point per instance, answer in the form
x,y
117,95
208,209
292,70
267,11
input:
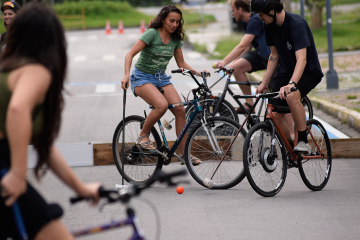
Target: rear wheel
x,y
265,173
315,172
209,142
138,167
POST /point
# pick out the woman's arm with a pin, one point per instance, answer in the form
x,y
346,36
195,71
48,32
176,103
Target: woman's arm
x,y
139,45
58,165
29,85
179,58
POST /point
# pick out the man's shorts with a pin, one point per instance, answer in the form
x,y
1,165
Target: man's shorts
x,y
307,82
138,78
257,62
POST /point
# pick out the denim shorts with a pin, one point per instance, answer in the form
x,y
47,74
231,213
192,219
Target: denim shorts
x,y
138,78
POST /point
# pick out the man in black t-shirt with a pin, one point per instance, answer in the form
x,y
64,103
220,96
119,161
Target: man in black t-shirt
x,y
242,58
293,50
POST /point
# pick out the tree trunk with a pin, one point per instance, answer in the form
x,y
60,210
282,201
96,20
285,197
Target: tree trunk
x,y
316,17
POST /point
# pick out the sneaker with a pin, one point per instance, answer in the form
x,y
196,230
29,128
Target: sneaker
x,y
302,147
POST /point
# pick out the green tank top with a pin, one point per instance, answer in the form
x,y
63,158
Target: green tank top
x,y
5,95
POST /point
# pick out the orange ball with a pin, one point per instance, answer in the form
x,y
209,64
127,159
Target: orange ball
x,y
180,189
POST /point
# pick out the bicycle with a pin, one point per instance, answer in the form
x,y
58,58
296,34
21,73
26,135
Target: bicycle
x,y
211,135
267,154
124,196
218,106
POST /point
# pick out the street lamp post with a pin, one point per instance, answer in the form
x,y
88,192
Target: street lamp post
x,y
302,8
332,80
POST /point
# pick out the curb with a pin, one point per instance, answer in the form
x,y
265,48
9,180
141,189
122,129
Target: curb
x,y
350,117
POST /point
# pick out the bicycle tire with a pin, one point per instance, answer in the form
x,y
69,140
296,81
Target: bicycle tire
x,y
225,110
230,171
266,177
309,112
137,168
315,173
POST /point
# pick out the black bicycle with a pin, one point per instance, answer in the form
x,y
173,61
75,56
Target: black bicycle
x,y
207,141
219,106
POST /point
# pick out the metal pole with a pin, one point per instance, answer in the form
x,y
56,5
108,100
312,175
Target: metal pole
x,y
332,80
231,20
202,15
302,8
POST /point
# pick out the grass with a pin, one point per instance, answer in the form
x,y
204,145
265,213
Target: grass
x,y
350,97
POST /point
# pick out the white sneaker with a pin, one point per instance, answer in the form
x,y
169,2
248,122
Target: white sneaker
x,y
302,147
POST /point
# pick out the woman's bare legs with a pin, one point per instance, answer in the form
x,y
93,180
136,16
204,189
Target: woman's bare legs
x,y
155,98
54,230
172,97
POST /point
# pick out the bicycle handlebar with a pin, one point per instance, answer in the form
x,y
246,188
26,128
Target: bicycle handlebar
x,y
264,95
125,194
190,72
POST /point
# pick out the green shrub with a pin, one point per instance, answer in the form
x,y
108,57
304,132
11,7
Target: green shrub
x,y
92,8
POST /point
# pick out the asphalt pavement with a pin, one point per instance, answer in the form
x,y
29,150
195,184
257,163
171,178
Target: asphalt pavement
x,y
94,108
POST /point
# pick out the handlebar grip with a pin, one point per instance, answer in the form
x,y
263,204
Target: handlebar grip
x,y
180,70
101,192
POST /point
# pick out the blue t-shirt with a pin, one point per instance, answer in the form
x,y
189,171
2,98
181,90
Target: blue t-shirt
x,y
294,34
255,26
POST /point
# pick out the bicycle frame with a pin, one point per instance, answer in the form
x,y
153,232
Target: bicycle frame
x,y
132,220
275,127
184,129
235,97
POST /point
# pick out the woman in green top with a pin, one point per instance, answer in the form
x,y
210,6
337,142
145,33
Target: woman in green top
x,y
32,73
158,45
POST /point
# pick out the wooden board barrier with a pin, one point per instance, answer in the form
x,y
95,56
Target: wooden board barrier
x,y
341,148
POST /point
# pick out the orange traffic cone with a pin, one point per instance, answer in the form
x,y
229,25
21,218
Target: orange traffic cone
x,y
108,27
142,26
121,27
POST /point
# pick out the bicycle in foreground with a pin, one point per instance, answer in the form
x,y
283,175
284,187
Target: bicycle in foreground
x,y
267,155
207,141
124,196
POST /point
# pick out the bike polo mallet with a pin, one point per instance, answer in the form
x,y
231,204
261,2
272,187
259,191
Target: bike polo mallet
x,y
17,215
123,136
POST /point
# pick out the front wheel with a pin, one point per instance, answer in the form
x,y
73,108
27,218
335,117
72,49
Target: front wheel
x,y
208,142
138,167
315,172
225,110
265,172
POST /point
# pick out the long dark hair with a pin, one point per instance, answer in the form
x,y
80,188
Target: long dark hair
x,y
36,36
156,23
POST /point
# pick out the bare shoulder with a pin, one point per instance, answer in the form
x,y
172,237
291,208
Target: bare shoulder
x,y
35,74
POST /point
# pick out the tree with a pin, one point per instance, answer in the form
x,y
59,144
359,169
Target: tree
x,y
316,8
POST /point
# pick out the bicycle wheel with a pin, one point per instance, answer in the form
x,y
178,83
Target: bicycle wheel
x,y
308,107
315,173
138,168
265,175
225,110
309,113
210,150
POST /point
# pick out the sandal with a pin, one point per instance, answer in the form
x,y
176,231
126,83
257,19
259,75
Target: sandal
x,y
195,160
240,111
145,145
